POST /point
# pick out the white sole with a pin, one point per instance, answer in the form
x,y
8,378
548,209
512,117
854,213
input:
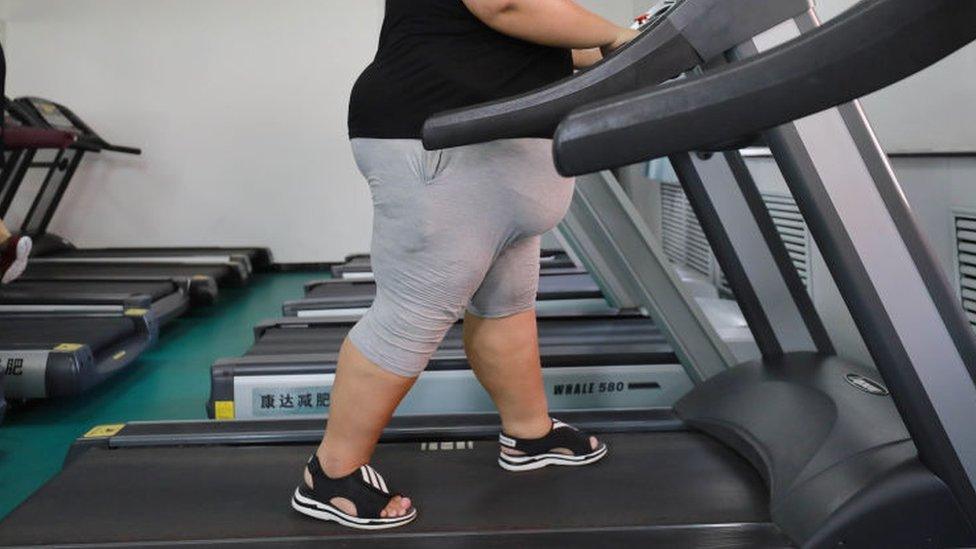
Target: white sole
x,y
530,463
24,246
326,512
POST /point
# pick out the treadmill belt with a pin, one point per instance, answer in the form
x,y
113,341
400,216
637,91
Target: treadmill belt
x,y
23,291
663,486
556,286
61,271
323,338
46,333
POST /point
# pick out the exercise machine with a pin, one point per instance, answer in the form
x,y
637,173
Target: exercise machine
x,y
616,361
60,117
166,299
231,267
359,267
798,448
58,340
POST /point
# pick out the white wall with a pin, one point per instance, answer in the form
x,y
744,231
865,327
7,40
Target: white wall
x,y
932,111
923,113
240,106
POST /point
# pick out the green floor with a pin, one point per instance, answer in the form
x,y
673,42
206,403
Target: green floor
x,y
171,381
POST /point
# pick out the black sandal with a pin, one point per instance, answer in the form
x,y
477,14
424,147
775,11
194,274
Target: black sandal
x,y
538,453
365,488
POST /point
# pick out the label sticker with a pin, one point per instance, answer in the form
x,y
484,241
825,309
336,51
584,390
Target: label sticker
x,y
224,409
136,312
24,373
867,385
68,347
290,401
104,431
119,355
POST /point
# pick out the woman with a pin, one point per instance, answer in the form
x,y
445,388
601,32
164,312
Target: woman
x,y
455,233
14,251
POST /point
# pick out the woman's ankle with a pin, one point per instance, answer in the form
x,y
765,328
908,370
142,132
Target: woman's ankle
x,y
335,468
528,429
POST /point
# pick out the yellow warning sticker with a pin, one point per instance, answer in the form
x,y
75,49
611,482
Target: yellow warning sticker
x,y
119,355
68,347
200,277
136,312
104,431
224,409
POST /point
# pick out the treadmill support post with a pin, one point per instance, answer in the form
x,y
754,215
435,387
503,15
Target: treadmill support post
x,y
621,253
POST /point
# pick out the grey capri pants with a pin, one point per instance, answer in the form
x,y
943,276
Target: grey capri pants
x,y
453,230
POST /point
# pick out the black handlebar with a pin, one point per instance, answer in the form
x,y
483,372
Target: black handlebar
x,y
686,35
872,45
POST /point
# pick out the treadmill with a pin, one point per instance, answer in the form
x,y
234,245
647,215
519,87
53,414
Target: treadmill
x,y
343,297
593,358
54,255
166,299
615,361
799,448
199,282
359,267
59,355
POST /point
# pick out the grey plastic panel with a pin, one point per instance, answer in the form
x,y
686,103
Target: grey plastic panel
x,y
751,253
623,256
457,391
845,472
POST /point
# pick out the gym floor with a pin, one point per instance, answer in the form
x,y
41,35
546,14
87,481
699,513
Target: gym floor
x,y
171,381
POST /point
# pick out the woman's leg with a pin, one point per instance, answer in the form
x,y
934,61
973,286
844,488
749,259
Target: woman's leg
x,y
501,339
504,354
363,399
429,255
4,233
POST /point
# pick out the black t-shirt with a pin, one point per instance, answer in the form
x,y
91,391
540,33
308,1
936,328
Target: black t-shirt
x,y
435,55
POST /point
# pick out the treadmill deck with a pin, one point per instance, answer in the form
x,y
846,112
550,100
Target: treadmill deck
x,y
676,489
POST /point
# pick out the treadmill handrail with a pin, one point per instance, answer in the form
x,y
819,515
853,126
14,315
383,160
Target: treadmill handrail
x,y
870,46
22,137
688,34
86,137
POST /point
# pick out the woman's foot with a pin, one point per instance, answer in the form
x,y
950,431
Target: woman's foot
x,y
14,253
360,500
564,445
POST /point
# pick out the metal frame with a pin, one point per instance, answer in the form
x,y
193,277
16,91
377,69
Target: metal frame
x,y
51,191
620,251
900,299
764,280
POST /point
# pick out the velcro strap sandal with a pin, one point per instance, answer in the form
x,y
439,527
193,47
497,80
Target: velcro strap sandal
x,y
365,488
550,449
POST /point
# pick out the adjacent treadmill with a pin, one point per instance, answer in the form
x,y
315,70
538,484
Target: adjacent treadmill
x,y
231,267
614,361
199,281
166,299
359,267
342,297
59,339
59,355
798,448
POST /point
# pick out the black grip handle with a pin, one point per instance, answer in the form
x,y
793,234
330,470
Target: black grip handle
x,y
691,32
122,149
